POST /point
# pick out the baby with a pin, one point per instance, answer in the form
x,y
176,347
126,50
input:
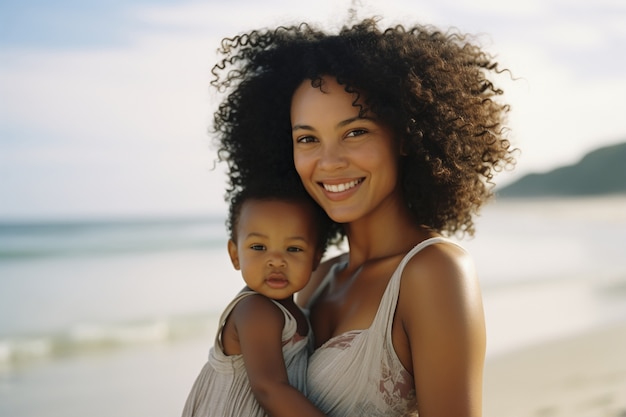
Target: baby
x,y
257,365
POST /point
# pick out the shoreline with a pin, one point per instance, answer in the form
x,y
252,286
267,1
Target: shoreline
x,y
580,375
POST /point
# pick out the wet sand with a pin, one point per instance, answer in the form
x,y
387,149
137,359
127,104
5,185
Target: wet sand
x,y
577,376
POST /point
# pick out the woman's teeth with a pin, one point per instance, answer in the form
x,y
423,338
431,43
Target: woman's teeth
x,y
337,188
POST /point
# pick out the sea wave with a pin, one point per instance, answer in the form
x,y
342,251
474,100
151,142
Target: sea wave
x,y
91,337
20,241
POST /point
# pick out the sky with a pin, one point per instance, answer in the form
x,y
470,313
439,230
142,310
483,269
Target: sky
x,y
105,106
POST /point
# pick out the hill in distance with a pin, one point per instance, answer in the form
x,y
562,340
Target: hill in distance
x,y
600,172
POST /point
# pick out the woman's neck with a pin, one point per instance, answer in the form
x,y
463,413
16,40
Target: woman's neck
x,y
385,232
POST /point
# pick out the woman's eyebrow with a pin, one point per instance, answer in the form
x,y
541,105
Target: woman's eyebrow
x,y
304,127
350,120
340,124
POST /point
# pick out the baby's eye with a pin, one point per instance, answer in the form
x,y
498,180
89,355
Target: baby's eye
x,y
257,247
294,249
356,132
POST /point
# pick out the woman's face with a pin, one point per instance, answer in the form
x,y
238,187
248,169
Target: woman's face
x,y
349,164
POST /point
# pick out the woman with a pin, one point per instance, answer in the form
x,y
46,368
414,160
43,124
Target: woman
x,y
396,134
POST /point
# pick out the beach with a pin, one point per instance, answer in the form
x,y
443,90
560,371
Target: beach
x,y
583,375
117,319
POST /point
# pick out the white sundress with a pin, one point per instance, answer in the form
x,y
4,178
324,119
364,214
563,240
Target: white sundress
x,y
222,387
358,373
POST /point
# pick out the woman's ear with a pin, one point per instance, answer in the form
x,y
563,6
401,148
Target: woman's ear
x,y
234,254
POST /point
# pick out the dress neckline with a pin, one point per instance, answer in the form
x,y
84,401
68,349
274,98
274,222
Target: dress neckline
x,y
342,264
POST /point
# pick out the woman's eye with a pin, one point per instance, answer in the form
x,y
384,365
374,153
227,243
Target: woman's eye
x,y
356,132
294,249
257,247
305,139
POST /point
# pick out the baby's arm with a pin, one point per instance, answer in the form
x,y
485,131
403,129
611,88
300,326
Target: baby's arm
x,y
259,324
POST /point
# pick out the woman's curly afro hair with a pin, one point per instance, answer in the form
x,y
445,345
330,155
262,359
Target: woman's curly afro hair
x,y
430,87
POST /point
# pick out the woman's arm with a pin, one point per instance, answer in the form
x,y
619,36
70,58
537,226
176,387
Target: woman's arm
x,y
259,324
442,314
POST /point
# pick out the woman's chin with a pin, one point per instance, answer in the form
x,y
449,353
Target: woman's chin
x,y
341,215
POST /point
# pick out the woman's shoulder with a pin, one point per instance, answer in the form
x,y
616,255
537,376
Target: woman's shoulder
x,y
317,277
441,318
441,270
440,260
442,279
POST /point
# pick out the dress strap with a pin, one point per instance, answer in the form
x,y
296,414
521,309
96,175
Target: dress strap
x,y
386,309
289,329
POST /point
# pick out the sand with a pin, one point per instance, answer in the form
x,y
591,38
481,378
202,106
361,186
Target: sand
x,y
578,376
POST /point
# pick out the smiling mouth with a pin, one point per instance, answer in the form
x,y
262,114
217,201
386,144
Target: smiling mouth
x,y
338,188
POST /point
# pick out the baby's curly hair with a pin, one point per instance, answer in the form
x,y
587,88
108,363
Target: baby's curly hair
x,y
283,190
430,87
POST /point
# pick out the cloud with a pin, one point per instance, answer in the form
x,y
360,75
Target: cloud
x,y
110,130
122,128
229,18
558,113
154,84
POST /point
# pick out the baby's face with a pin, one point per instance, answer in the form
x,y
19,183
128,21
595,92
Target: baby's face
x,y
276,246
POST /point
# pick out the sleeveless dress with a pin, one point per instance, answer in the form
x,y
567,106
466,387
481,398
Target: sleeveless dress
x,y
358,373
222,387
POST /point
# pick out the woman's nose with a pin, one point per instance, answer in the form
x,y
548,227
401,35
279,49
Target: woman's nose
x,y
332,157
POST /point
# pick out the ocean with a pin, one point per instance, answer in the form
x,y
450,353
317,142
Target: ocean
x,y
116,317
